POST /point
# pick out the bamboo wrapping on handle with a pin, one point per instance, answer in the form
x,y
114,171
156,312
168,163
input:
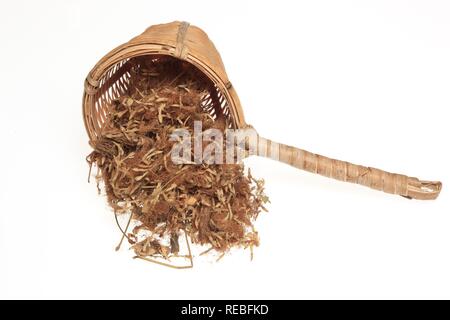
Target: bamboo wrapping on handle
x,y
348,172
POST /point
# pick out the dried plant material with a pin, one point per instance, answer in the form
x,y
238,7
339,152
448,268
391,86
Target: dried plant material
x,y
137,94
212,204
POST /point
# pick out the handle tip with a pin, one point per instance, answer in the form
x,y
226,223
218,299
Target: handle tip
x,y
423,190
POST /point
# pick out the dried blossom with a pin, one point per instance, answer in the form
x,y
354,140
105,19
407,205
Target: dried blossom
x,y
213,204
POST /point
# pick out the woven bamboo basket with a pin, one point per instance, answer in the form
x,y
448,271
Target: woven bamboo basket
x,y
109,79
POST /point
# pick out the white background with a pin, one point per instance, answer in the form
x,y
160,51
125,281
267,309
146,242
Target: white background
x,y
363,81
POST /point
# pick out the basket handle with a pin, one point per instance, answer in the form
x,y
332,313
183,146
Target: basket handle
x,y
377,179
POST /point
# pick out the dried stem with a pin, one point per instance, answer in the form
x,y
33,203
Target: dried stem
x,y
123,232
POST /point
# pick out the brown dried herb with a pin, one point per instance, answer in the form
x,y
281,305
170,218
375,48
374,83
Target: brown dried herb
x,y
211,204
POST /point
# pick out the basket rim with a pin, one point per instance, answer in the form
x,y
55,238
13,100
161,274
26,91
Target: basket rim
x,y
142,46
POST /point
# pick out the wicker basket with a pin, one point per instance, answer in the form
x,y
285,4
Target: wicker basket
x,y
109,79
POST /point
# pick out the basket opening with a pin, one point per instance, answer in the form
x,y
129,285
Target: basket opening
x,y
118,81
